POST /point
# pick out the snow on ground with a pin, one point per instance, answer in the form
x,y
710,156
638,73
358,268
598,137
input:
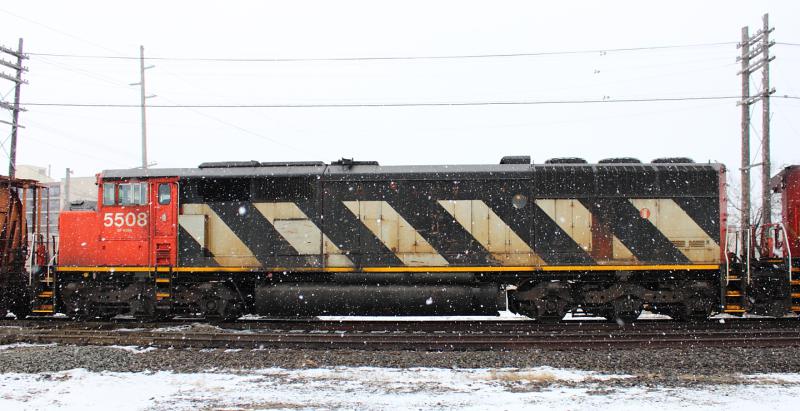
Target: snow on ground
x,y
22,345
379,388
502,315
129,348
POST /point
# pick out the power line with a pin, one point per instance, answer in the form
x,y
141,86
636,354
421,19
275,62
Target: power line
x,y
242,129
378,105
55,30
379,58
86,73
423,104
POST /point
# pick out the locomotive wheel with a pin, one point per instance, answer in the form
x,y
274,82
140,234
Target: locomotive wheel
x,y
528,309
625,310
684,313
21,309
550,319
217,302
546,302
547,311
74,301
552,309
17,302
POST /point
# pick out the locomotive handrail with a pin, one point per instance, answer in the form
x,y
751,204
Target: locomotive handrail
x,y
727,260
749,245
788,249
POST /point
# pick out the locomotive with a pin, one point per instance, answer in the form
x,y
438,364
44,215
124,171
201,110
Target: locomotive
x,y
349,237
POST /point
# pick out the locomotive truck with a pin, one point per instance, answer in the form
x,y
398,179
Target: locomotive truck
x,y
355,238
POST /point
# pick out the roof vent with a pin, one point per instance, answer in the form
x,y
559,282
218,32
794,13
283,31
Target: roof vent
x,y
292,164
673,160
620,160
349,162
566,160
253,163
515,160
229,164
78,205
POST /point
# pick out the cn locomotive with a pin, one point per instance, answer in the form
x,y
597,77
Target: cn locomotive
x,y
355,238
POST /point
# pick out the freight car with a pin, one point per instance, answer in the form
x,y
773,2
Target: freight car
x,y
20,277
356,238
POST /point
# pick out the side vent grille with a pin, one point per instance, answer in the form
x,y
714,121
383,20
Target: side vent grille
x,y
163,254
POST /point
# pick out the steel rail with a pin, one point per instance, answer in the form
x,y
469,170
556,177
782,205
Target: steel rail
x,y
573,338
409,325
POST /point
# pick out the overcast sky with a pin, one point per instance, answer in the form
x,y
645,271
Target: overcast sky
x,y
92,139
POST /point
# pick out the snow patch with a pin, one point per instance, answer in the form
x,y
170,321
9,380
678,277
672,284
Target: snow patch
x,y
133,348
540,388
23,345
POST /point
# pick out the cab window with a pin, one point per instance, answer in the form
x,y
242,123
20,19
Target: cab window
x,y
164,194
132,194
109,194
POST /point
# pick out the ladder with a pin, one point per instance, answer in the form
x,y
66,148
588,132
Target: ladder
x,y
734,302
44,301
734,292
163,280
794,288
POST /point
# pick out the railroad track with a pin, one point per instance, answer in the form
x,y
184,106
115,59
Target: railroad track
x,y
410,335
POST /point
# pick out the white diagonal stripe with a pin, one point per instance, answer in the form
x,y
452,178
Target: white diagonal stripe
x,y
491,232
672,221
396,233
301,233
576,220
227,248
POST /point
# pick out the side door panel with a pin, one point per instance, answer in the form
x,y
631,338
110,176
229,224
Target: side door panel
x,y
164,221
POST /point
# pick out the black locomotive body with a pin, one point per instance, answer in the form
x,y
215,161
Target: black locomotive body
x,y
358,238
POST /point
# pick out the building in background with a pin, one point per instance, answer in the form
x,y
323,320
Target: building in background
x,y
81,189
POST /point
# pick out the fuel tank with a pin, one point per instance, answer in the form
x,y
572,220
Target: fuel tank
x,y
311,299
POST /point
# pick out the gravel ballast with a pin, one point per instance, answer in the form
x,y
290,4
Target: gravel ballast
x,y
652,363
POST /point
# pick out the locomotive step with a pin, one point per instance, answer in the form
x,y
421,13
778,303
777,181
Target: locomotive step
x,y
734,278
796,308
43,309
162,280
733,293
795,282
45,294
795,295
162,295
733,308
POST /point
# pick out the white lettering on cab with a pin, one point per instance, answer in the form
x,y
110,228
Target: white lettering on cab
x,y
124,219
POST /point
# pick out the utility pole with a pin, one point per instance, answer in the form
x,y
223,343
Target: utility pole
x,y
766,172
745,170
143,104
66,189
15,108
752,48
